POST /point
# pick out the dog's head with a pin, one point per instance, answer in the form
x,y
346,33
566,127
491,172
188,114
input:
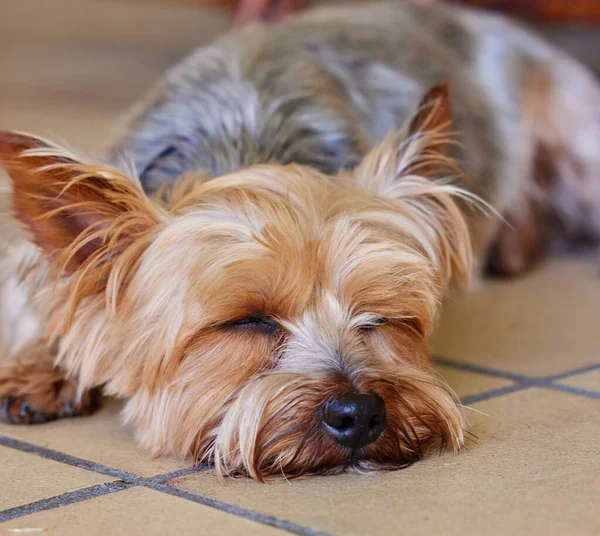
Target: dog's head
x,y
271,321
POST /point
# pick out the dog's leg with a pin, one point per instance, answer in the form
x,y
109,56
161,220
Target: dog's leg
x,y
33,390
519,243
566,124
560,198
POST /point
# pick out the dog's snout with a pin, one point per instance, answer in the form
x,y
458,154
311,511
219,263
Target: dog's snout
x,y
355,420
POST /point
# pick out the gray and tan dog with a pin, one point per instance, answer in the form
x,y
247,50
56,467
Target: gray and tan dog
x,y
259,274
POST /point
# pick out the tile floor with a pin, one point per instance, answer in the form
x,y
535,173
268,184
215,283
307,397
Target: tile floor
x,y
523,355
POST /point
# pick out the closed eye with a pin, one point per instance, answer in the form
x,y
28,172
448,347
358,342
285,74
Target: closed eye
x,y
373,322
254,323
412,323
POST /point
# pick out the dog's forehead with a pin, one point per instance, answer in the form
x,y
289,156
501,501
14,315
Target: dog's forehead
x,y
308,205
283,241
234,266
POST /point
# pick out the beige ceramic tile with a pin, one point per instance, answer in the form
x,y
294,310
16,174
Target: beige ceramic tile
x,y
468,383
100,438
124,23
589,381
78,106
533,471
69,67
541,324
65,123
137,512
26,478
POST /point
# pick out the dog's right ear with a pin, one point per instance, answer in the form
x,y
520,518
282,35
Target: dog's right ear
x,y
404,168
418,149
73,210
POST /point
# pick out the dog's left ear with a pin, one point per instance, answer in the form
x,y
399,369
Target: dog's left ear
x,y
404,167
419,148
74,211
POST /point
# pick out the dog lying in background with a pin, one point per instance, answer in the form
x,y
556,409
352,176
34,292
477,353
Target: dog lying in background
x,y
259,273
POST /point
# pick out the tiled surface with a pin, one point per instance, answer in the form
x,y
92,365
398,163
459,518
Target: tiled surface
x,y
589,381
468,384
544,323
101,440
526,475
122,514
45,478
523,355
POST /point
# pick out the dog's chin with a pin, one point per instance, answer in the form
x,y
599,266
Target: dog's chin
x,y
274,426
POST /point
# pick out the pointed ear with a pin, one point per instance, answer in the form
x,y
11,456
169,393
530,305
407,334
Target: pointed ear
x,y
403,167
419,148
72,209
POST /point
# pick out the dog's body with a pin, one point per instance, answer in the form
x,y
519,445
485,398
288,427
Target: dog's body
x,y
324,89
245,317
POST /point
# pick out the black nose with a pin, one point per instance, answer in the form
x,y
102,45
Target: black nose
x,y
355,420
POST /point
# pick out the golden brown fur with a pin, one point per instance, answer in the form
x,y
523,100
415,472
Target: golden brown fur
x,y
228,312
262,288
36,391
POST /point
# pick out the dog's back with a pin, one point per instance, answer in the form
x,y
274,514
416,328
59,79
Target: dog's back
x,y
324,87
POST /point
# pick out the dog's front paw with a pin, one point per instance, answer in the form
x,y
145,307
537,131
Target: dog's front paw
x,y
23,410
38,392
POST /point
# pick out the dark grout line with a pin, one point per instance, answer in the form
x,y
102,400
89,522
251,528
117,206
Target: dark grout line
x,y
519,378
66,458
91,492
574,372
80,463
157,482
154,483
468,367
487,395
159,479
521,381
574,390
64,499
129,480
288,526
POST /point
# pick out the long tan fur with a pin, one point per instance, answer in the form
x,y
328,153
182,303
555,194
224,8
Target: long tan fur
x,y
144,297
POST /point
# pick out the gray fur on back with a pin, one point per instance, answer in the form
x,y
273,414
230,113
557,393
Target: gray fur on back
x,y
323,88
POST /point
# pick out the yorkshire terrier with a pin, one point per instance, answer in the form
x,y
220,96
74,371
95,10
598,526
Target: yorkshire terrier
x,y
259,272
